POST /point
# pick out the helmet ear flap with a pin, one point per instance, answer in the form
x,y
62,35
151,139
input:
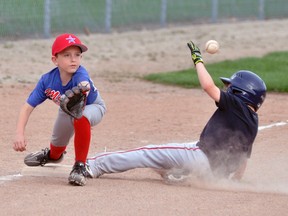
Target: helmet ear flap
x,y
237,92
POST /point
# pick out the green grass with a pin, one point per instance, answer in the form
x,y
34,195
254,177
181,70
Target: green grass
x,y
272,68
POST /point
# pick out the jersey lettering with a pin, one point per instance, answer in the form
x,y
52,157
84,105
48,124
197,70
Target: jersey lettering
x,y
53,95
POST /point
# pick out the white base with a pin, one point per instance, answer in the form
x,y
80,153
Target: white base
x,y
49,170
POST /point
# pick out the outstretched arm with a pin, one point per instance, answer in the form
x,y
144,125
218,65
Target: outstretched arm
x,y
204,77
20,142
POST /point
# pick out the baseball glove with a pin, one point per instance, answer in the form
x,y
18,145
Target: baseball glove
x,y
74,101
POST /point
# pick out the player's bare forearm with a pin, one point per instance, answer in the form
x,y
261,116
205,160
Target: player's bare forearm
x,y
19,143
207,82
204,77
24,115
240,172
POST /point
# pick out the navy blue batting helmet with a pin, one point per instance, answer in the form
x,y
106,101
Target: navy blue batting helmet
x,y
247,86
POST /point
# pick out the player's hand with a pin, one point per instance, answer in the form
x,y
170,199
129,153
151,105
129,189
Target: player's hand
x,y
238,174
19,143
195,53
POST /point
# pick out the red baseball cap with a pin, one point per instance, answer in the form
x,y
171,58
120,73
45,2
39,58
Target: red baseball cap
x,y
66,40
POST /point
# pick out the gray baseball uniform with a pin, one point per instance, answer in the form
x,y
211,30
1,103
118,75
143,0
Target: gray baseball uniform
x,y
63,128
183,158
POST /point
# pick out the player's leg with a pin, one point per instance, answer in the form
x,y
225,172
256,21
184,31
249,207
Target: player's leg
x,y
184,157
92,115
95,112
62,132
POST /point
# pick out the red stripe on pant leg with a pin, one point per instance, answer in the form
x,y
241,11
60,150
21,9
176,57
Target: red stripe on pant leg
x,y
148,148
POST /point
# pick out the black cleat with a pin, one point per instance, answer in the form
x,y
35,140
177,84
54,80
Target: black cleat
x,y
40,158
79,173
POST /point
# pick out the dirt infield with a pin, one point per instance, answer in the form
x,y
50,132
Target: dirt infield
x,y
141,113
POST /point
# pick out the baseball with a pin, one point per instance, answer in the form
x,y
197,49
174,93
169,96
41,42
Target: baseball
x,y
212,46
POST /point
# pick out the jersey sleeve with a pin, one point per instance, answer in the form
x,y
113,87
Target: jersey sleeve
x,y
37,96
225,101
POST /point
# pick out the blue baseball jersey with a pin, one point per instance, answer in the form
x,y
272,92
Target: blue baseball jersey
x,y
50,87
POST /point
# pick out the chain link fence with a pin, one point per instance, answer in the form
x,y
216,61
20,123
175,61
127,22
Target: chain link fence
x,y
44,18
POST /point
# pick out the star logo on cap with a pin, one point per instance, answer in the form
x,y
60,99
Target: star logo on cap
x,y
70,39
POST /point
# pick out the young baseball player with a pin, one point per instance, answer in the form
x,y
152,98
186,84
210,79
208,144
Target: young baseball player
x,y
225,143
82,107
